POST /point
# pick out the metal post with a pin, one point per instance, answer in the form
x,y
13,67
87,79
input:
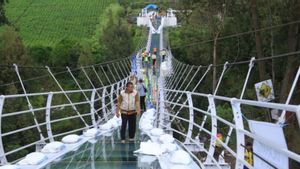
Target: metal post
x,y
3,159
240,138
214,124
92,106
112,105
30,105
251,64
191,118
161,108
103,104
48,116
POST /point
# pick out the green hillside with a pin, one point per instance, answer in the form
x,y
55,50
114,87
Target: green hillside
x,y
46,22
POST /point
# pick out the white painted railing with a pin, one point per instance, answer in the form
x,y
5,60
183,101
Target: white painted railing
x,y
78,110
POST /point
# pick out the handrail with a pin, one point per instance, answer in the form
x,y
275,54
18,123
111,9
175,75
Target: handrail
x,y
235,126
50,124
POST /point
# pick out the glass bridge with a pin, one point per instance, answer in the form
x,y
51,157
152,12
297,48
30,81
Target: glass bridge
x,y
182,110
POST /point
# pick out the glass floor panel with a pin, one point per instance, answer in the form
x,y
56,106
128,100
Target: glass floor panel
x,y
106,152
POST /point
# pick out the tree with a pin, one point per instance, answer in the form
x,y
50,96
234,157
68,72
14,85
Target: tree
x,y
258,41
40,55
293,45
66,53
3,19
85,55
116,39
12,50
217,11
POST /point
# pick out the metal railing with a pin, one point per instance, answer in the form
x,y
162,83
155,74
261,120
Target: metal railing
x,y
178,96
61,112
237,125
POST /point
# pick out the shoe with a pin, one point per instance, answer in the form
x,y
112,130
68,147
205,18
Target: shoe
x,y
131,139
123,141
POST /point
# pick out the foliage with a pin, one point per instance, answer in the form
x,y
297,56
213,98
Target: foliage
x,y
65,53
12,51
48,22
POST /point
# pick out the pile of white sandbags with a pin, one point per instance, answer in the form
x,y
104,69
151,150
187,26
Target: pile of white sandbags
x,y
149,148
147,120
164,69
160,143
113,123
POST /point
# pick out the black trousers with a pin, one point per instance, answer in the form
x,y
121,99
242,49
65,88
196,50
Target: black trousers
x,y
153,62
218,151
142,102
131,119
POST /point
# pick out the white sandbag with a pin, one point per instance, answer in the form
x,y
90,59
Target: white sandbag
x,y
146,126
150,112
148,116
92,141
70,139
180,157
149,148
114,123
33,159
106,126
164,70
10,167
146,121
118,120
156,132
53,147
169,147
91,132
166,138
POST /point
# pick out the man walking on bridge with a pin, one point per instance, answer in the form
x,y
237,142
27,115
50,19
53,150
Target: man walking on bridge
x,y
128,107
